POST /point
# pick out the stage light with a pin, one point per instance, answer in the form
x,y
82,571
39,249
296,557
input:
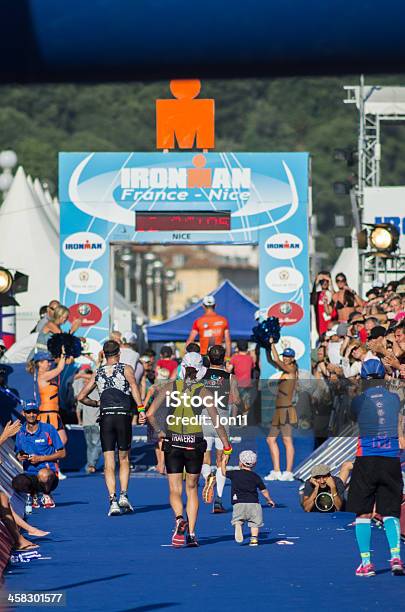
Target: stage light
x,y
6,280
384,237
381,237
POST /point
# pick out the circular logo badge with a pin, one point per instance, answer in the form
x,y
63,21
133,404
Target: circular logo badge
x,y
284,280
288,313
284,246
90,314
84,246
84,280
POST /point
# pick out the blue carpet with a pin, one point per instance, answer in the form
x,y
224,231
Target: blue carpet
x,y
123,564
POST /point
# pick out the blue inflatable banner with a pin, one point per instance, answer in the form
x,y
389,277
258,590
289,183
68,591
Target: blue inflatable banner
x,y
188,198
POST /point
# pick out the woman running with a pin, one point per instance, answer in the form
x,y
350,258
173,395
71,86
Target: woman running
x,y
285,415
48,386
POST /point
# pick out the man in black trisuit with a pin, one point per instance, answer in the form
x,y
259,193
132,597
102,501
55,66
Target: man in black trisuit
x,y
217,380
116,385
183,441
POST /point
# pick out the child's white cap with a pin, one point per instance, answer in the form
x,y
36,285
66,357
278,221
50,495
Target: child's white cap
x,y
248,458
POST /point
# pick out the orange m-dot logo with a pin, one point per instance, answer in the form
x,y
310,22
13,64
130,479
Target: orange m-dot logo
x,y
185,120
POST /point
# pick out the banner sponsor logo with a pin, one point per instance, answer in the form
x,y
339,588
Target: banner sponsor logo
x,y
84,280
179,184
284,246
84,246
288,313
90,314
284,280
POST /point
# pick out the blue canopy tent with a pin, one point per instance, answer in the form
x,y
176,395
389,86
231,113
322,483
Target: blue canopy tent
x,y
231,303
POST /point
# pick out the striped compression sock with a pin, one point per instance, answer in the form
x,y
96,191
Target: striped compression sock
x,y
363,537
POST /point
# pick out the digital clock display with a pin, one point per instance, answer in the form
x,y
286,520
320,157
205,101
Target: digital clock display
x,y
205,221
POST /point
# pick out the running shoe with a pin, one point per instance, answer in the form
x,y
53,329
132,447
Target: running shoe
x,y
179,535
192,541
47,501
114,509
254,541
208,490
397,567
273,476
61,476
365,570
218,507
28,504
287,476
238,533
35,502
124,503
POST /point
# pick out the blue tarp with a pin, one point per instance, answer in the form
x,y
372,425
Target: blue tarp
x,y
231,303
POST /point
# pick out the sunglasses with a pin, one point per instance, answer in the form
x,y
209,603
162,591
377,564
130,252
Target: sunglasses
x,y
323,476
340,280
31,411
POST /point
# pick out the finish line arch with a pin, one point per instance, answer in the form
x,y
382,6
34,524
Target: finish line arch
x,y
184,198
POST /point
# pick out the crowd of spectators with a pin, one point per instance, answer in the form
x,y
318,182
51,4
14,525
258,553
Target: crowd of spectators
x,y
352,329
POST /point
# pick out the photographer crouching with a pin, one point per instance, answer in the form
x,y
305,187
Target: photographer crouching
x,y
324,492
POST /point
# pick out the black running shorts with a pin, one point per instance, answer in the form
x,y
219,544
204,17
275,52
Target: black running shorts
x,y
178,459
376,480
116,431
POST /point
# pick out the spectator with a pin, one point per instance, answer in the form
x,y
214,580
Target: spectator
x,y
116,336
353,357
356,327
128,350
148,377
321,300
3,348
324,492
46,316
243,364
166,361
396,308
38,447
376,343
87,416
369,324
53,325
334,345
345,299
11,519
162,378
244,486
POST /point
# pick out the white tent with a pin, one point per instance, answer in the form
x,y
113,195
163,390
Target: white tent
x,y
29,243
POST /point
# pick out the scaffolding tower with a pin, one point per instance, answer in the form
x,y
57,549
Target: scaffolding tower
x,y
377,106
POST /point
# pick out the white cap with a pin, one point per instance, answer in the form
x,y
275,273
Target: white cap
x,y
248,458
193,360
129,337
378,283
209,300
332,332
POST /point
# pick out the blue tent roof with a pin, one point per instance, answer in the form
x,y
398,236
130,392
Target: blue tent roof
x,y
230,302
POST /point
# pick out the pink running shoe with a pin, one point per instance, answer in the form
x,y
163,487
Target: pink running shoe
x,y
397,567
365,570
